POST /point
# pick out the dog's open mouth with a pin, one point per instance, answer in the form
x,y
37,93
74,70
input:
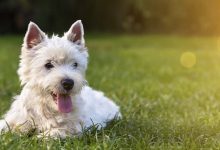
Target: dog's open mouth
x,y
63,101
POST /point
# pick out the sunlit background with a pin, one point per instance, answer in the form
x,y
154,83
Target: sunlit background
x,y
127,16
159,60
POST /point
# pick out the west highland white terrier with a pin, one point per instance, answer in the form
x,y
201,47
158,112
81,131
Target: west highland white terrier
x,y
55,99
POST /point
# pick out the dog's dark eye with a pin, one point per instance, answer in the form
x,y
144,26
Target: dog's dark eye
x,y
48,65
75,65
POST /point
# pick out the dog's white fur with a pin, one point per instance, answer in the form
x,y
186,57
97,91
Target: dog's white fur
x,y
35,106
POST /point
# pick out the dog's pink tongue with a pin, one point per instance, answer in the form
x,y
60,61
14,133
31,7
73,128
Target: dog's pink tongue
x,y
64,103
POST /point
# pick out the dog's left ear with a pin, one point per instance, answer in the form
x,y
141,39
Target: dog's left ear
x,y
33,36
76,33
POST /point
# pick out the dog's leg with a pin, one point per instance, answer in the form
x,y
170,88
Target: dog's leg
x,y
53,133
15,118
4,127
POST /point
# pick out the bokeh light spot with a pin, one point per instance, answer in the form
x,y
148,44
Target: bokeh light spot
x,y
188,59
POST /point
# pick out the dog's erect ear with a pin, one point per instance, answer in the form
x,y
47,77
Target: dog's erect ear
x,y
76,33
33,36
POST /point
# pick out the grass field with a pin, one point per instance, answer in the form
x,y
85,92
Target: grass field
x,y
164,104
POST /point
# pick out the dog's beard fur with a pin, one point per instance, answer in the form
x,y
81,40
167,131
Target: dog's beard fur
x,y
62,53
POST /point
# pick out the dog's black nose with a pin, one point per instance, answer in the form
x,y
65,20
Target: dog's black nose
x,y
67,84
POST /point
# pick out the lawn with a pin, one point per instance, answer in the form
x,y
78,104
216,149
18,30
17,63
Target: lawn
x,y
164,104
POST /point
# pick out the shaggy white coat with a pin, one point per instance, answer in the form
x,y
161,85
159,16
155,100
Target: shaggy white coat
x,y
35,106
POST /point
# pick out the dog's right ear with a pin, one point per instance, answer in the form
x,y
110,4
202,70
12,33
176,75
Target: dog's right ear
x,y
76,33
33,36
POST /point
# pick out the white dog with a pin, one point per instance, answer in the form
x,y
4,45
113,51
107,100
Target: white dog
x,y
55,99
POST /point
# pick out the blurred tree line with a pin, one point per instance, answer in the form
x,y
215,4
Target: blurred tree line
x,y
135,16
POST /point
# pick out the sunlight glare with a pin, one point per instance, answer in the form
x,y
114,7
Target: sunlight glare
x,y
188,59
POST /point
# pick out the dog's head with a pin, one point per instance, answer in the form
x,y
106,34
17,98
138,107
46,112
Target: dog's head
x,y
55,66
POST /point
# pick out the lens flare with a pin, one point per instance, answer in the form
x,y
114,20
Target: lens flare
x,y
188,59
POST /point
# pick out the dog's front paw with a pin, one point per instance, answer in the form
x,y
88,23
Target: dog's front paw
x,y
54,133
3,126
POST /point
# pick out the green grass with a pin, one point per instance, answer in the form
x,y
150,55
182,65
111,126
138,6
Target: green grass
x,y
164,105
